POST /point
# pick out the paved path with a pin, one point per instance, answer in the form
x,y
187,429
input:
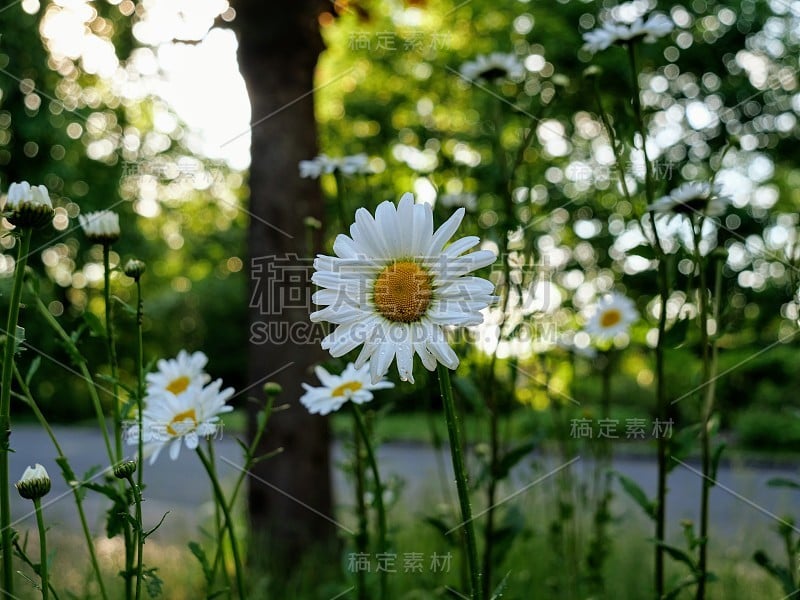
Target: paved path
x,y
741,513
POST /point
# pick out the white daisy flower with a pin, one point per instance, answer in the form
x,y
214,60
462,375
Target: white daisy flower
x,y
177,419
393,287
356,164
494,68
656,26
353,384
176,375
27,205
613,314
101,226
468,200
693,197
310,169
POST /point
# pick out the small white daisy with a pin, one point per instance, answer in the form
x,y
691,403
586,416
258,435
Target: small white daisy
x,y
468,200
393,287
101,226
353,384
656,26
494,68
176,375
356,164
27,205
310,169
613,314
693,197
177,419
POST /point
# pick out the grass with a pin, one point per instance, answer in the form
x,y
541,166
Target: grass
x,y
535,566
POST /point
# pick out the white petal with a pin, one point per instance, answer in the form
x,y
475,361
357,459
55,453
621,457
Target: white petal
x,y
405,361
460,246
445,232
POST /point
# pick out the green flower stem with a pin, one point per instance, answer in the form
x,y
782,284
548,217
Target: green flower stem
x,y
340,200
663,286
137,489
362,535
23,248
637,111
707,403
137,500
219,529
28,399
26,559
112,351
37,504
219,495
80,363
461,481
128,534
373,464
249,461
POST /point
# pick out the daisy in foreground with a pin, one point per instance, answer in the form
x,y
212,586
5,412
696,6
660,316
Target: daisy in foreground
x,y
613,314
172,420
393,287
353,384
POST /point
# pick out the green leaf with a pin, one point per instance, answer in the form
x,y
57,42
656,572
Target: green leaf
x,y
784,482
501,587
679,555
637,495
644,250
778,572
151,531
96,327
442,527
152,582
682,443
69,476
511,458
115,518
35,363
200,555
125,306
715,458
676,336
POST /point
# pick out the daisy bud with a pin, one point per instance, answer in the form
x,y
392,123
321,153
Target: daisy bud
x,y
134,268
35,483
720,253
272,389
593,71
312,223
28,206
101,226
125,469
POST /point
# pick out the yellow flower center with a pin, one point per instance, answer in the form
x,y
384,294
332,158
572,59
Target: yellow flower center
x,y
176,386
610,317
182,423
350,386
403,292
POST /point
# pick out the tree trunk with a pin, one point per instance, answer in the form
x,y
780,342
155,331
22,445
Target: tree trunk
x,y
279,43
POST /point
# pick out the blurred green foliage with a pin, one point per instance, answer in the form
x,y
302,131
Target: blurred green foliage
x,y
389,85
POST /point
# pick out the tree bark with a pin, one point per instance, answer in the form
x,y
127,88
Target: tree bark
x,y
279,44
